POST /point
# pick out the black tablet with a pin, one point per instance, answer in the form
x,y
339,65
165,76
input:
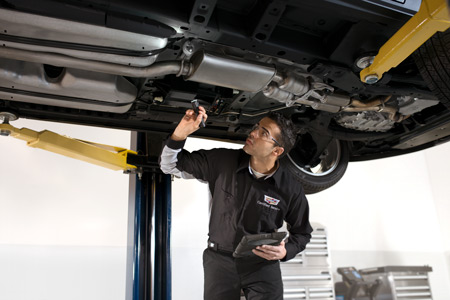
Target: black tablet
x,y
250,242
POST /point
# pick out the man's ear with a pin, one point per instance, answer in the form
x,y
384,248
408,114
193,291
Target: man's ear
x,y
278,151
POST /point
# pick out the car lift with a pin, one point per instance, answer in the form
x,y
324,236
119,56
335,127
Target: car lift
x,y
149,209
433,16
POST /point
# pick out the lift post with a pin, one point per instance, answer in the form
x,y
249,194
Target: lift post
x,y
149,223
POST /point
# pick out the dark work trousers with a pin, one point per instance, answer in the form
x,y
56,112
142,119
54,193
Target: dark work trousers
x,y
225,276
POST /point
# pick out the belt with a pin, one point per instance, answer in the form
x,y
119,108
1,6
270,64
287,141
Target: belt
x,y
216,247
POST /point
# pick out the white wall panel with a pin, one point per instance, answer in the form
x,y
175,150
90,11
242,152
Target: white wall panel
x,y
438,165
49,199
383,204
64,222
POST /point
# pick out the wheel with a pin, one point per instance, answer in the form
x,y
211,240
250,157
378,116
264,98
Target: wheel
x,y
332,166
433,61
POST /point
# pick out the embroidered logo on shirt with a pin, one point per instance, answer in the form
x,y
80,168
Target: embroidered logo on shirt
x,y
271,200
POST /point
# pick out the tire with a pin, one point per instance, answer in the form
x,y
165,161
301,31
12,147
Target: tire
x,y
327,173
433,61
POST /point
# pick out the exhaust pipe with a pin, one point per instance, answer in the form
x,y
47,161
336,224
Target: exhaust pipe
x,y
215,70
154,70
205,68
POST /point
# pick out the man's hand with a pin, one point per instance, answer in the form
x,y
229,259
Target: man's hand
x,y
189,124
271,252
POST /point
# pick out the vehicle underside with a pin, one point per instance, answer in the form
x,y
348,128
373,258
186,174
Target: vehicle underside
x,y
137,65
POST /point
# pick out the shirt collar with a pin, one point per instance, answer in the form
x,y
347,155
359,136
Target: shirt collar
x,y
278,175
267,176
244,160
244,163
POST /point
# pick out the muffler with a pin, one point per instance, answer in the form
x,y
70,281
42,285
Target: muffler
x,y
233,73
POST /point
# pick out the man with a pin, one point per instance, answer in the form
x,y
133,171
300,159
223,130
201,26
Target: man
x,y
251,193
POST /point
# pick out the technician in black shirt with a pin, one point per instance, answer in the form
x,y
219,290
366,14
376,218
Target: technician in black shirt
x,y
252,193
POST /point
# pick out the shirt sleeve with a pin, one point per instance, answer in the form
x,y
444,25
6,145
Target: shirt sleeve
x,y
181,163
298,226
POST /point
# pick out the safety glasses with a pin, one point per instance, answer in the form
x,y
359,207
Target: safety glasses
x,y
264,134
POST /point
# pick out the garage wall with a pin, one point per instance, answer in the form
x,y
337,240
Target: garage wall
x,y
384,212
63,223
438,164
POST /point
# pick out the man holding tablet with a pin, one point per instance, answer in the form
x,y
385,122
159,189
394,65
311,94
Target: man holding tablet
x,y
252,193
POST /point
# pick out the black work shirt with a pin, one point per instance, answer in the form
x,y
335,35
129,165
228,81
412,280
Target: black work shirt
x,y
242,204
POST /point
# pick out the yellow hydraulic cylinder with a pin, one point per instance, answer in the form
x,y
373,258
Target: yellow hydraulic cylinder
x,y
114,158
433,16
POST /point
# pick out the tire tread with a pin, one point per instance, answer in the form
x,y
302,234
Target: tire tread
x,y
433,62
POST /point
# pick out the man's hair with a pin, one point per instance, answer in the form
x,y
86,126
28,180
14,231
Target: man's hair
x,y
288,131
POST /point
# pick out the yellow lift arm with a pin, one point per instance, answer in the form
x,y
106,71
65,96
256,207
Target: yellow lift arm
x,y
433,16
114,158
